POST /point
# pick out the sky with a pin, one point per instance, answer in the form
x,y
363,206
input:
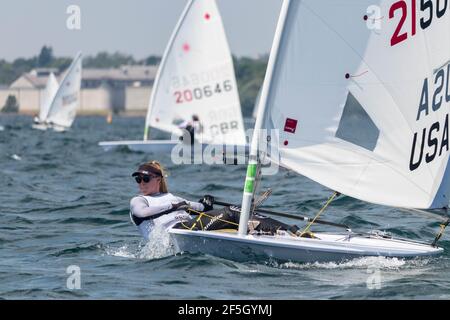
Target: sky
x,y
137,27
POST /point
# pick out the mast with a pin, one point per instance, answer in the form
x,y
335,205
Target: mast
x,y
162,66
253,157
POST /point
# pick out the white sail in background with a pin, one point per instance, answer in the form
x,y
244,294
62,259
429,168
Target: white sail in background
x,y
49,94
255,107
360,94
65,104
196,77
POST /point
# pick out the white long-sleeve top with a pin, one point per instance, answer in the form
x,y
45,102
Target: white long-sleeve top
x,y
147,206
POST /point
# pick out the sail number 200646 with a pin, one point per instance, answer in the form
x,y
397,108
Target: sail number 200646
x,y
424,13
184,96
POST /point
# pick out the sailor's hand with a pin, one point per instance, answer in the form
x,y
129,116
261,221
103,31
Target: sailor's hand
x,y
180,206
208,202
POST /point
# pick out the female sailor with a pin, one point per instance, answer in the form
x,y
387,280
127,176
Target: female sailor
x,y
155,206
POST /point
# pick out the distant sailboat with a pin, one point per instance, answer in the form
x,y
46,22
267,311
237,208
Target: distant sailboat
x,y
195,80
362,111
64,107
60,104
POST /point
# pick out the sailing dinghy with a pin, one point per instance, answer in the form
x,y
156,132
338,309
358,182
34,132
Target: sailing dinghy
x,y
60,103
196,78
63,109
359,109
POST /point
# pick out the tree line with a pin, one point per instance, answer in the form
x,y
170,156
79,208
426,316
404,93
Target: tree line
x,y
249,72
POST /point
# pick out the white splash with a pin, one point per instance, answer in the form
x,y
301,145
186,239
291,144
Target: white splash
x,y
16,157
123,252
384,263
159,245
360,270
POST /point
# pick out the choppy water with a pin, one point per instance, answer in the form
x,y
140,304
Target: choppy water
x,y
64,202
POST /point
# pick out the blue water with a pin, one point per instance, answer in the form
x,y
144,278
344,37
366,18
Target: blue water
x,y
64,202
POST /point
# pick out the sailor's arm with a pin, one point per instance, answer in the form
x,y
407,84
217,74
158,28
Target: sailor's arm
x,y
194,205
141,209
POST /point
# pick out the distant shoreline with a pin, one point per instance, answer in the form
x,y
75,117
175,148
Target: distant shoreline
x,y
86,113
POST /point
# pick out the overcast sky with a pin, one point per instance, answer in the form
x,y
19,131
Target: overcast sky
x,y
137,27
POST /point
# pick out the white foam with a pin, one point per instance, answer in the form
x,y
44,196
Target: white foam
x,y
16,157
361,271
384,263
123,252
159,245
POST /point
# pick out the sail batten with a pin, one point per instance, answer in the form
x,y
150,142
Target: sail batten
x,y
362,110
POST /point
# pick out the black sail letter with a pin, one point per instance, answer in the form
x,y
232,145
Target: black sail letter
x,y
444,141
432,142
423,106
447,91
439,75
414,166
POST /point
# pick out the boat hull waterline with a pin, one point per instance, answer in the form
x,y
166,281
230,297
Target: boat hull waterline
x,y
45,127
40,126
328,248
168,145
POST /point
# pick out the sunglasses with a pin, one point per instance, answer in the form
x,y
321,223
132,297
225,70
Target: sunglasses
x,y
146,179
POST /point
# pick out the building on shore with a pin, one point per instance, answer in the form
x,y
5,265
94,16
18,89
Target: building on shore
x,y
124,90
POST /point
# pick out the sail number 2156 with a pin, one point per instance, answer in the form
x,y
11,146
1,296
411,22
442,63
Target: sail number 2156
x,y
409,10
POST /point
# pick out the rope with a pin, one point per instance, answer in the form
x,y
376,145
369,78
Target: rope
x,y
203,214
335,194
441,232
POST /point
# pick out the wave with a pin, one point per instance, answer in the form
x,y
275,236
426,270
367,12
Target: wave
x,y
91,221
382,263
158,246
76,250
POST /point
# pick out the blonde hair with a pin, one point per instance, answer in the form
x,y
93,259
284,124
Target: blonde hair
x,y
163,184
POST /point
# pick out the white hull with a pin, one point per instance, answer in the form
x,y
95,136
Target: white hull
x,y
44,127
40,126
166,146
329,247
142,146
57,128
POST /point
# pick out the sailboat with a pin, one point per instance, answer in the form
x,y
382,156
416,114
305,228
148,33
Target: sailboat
x,y
49,94
360,110
196,79
60,103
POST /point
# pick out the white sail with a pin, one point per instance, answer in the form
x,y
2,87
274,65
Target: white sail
x,y
196,77
65,104
255,107
360,94
48,96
